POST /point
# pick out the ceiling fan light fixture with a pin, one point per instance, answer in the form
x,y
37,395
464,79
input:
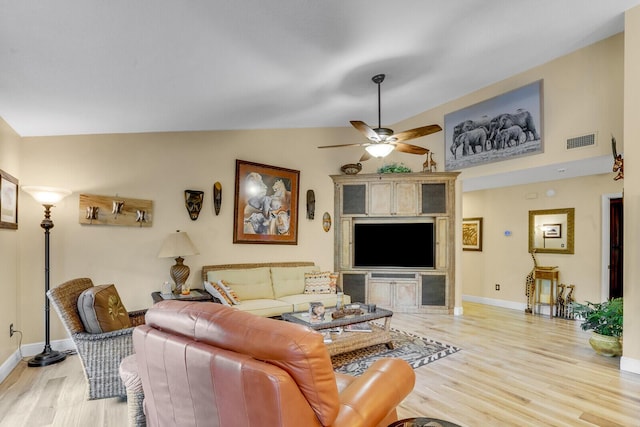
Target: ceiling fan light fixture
x,y
379,150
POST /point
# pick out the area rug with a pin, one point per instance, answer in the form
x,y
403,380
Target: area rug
x,y
416,350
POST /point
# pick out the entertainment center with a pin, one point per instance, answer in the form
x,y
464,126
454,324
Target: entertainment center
x,y
393,239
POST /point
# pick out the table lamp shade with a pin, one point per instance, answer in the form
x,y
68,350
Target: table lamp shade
x,y
176,246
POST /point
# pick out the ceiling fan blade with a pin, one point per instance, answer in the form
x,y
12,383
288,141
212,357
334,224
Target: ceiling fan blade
x,y
361,144
415,133
409,148
366,130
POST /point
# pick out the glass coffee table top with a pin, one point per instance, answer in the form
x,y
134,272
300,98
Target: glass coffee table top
x,y
303,317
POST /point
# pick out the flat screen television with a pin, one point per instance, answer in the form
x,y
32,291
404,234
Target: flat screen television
x,y
394,244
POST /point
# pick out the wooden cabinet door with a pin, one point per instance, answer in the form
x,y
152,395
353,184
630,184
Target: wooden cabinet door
x,y
380,199
405,294
380,293
405,199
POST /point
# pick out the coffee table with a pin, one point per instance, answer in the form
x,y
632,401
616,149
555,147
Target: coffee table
x,y
343,342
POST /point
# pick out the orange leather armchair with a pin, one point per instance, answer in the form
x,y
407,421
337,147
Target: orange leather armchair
x,y
204,364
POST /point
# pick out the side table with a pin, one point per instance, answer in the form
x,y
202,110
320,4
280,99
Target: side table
x,y
546,288
195,295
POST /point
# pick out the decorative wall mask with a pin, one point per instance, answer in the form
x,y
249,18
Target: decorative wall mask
x,y
326,221
217,197
311,204
193,201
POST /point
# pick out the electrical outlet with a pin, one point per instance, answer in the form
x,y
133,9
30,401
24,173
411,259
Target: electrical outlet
x,y
497,286
11,330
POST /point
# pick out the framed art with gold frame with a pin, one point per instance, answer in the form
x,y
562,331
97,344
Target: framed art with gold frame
x,y
551,231
472,234
266,204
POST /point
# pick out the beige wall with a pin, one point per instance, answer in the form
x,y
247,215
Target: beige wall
x,y
631,350
505,259
9,280
583,94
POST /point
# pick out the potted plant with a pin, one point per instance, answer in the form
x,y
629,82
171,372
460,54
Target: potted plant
x,y
605,320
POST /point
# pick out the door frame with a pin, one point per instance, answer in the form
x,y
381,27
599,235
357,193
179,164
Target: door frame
x,y
606,221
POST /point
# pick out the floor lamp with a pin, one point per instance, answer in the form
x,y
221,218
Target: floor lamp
x,y
47,196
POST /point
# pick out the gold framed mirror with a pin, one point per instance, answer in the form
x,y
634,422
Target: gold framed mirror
x,y
551,231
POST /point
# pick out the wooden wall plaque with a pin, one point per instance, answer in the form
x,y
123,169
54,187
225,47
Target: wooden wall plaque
x,y
115,210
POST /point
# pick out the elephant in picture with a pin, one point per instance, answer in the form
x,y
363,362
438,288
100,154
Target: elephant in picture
x,y
522,118
506,136
468,125
471,139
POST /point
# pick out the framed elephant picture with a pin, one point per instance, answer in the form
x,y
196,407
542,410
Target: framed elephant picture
x,y
500,128
266,204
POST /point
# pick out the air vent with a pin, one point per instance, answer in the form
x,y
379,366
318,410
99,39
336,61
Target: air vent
x,y
581,141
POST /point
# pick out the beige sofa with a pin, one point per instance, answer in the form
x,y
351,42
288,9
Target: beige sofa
x,y
269,289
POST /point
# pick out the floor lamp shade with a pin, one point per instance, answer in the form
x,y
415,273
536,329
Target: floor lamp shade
x,y
177,245
47,196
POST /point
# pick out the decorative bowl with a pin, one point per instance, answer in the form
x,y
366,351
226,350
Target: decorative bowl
x,y
351,168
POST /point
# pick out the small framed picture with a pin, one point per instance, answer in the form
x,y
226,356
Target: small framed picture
x,y
8,201
552,231
472,234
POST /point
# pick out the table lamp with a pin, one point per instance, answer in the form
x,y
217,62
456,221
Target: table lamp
x,y
47,196
177,245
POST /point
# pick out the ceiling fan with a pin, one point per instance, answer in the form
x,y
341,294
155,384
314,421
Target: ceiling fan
x,y
383,141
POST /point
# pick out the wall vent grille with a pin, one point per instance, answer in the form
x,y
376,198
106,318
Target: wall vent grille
x,y
581,141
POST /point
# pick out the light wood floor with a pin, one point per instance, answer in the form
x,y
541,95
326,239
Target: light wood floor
x,y
513,369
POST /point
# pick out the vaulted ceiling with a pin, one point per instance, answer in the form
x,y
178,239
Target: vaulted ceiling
x,y
89,66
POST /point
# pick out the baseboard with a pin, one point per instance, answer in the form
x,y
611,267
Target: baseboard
x,y
9,365
30,350
628,364
495,302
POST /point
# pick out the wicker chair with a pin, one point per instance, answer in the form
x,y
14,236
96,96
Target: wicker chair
x,y
100,354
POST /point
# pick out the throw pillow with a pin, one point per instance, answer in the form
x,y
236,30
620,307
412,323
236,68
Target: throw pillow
x,y
333,281
233,296
216,292
318,283
101,310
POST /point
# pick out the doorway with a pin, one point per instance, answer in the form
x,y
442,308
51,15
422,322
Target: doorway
x,y
616,228
612,246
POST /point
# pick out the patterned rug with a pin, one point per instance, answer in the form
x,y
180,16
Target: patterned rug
x,y
416,350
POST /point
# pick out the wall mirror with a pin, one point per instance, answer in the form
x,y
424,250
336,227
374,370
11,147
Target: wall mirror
x,y
551,231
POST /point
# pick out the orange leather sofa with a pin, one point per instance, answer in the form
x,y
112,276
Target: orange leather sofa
x,y
204,364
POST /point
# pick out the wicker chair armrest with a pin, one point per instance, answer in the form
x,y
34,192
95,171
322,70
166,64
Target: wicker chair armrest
x,y
85,336
137,317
